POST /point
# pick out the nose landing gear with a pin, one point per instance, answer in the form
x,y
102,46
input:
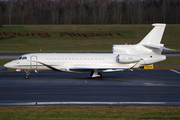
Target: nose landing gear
x,y
27,74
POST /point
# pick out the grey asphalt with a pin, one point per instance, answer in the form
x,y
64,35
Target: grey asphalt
x,y
140,87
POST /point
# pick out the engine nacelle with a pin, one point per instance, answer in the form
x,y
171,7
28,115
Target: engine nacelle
x,y
125,58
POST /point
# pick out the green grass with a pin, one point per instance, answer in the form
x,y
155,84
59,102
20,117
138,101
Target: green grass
x,y
169,63
170,60
3,61
13,29
166,67
89,112
131,34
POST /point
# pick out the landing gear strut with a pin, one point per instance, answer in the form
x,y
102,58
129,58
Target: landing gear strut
x,y
96,74
27,74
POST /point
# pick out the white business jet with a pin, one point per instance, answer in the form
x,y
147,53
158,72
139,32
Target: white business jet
x,y
123,57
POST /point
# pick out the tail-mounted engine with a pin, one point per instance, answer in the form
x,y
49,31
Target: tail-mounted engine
x,y
125,58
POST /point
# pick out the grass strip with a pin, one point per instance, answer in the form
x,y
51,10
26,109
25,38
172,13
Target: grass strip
x,y
131,34
90,112
4,61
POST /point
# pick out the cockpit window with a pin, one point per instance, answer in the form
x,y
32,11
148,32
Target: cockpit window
x,y
19,58
24,58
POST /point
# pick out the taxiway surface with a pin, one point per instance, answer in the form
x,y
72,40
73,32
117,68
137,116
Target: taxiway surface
x,y
140,87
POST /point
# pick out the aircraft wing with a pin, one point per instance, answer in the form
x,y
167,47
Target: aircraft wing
x,y
99,69
89,69
102,69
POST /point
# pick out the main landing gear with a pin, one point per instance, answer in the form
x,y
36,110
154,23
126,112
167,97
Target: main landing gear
x,y
96,74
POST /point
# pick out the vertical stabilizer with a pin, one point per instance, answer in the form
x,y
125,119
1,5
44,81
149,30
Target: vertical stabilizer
x,y
155,35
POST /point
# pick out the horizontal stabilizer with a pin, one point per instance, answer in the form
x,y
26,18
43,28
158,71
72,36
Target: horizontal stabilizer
x,y
166,48
157,46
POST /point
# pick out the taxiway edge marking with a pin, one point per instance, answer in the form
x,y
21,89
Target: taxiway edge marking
x,y
174,71
86,103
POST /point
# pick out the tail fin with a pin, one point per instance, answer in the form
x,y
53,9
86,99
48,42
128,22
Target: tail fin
x,y
151,41
153,38
155,35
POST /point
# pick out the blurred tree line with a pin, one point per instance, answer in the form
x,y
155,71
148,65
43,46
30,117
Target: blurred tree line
x,y
89,11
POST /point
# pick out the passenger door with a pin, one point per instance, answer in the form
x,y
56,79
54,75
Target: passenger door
x,y
33,62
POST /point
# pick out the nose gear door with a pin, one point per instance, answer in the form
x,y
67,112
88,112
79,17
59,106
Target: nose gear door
x,y
33,62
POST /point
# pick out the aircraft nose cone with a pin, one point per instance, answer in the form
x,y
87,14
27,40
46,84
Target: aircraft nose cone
x,y
7,65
